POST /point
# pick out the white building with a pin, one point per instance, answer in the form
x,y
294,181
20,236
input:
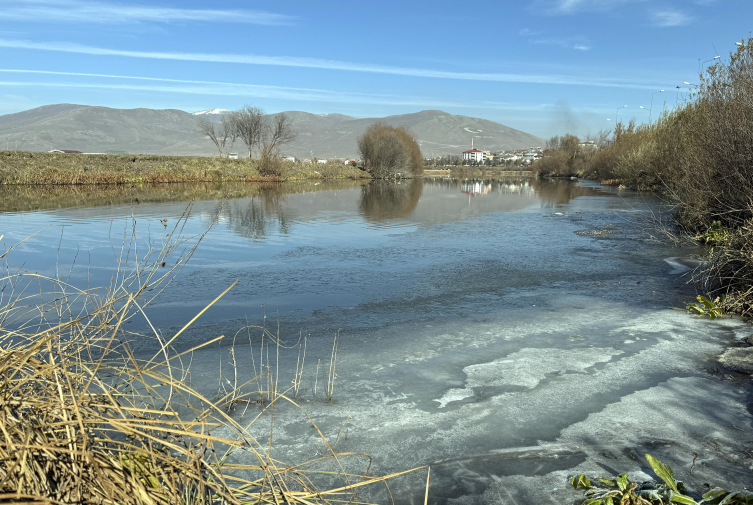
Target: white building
x,y
475,155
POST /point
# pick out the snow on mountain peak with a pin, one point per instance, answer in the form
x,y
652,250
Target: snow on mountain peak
x,y
210,111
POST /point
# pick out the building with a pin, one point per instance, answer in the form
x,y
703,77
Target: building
x,y
476,155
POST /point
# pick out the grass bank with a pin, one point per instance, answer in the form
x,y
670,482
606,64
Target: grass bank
x,y
18,167
699,158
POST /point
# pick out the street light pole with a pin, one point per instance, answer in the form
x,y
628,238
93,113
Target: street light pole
x,y
652,105
617,116
712,59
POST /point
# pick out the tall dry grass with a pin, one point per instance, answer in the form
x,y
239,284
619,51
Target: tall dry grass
x,y
699,158
84,420
55,168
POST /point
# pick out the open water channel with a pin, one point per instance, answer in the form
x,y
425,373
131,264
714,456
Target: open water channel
x,y
509,333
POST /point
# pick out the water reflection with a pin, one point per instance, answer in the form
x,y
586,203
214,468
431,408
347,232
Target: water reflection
x,y
550,192
257,217
257,211
20,198
384,200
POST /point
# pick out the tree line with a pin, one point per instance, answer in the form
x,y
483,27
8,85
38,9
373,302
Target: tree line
x,y
699,158
387,152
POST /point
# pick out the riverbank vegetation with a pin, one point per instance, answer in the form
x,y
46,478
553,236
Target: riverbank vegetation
x,y
390,153
88,420
619,490
699,157
18,167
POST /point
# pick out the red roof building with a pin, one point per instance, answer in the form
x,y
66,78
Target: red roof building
x,y
475,155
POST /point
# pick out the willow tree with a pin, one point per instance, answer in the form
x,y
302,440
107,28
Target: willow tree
x,y
390,152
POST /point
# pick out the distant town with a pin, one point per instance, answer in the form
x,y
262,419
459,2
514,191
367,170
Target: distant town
x,y
471,157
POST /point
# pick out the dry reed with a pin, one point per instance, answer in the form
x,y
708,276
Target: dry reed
x,y
84,420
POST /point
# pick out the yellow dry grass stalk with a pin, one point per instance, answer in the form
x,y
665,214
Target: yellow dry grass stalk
x,y
19,167
83,420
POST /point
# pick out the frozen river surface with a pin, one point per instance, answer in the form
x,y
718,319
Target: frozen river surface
x,y
509,334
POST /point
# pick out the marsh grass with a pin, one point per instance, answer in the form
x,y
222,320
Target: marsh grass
x,y
79,169
84,420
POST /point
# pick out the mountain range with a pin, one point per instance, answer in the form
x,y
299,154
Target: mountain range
x,y
174,132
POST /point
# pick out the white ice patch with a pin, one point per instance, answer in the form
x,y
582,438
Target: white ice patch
x,y
677,267
454,395
527,368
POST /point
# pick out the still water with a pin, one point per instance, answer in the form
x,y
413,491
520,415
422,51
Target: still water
x,y
510,333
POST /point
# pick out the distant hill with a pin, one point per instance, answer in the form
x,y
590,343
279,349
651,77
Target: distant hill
x,y
173,132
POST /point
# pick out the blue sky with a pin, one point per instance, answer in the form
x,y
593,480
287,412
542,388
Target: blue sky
x,y
543,66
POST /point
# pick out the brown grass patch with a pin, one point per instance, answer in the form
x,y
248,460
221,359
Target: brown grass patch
x,y
80,169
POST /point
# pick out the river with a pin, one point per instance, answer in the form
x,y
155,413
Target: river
x,y
509,333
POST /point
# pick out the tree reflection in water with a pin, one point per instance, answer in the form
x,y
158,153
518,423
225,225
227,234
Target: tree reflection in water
x,y
258,210
258,217
383,200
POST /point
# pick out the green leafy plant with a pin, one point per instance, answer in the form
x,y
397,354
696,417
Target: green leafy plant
x,y
620,491
715,234
706,307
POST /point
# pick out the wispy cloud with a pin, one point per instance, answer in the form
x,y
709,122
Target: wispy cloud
x,y
578,43
670,17
527,32
287,61
560,7
219,88
107,12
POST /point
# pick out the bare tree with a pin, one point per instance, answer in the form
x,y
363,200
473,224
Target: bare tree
x,y
217,133
603,137
278,131
553,143
228,127
248,123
